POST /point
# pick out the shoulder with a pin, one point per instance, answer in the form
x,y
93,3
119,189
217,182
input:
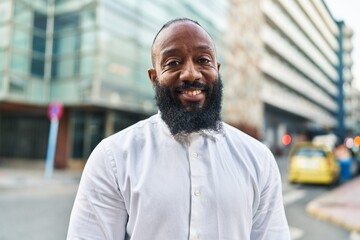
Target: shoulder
x,y
244,141
149,132
255,156
129,142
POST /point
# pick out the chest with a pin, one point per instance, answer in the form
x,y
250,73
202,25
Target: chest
x,y
202,175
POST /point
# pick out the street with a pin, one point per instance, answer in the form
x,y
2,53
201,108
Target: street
x,y
303,226
35,208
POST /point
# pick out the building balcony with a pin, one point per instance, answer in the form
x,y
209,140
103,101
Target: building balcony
x,y
282,99
282,47
293,80
285,24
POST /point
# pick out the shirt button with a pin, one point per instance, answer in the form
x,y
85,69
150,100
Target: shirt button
x,y
197,193
194,155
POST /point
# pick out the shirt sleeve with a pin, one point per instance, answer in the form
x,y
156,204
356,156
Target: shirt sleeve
x,y
269,221
99,211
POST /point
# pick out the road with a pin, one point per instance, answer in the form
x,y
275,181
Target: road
x,y
33,208
303,226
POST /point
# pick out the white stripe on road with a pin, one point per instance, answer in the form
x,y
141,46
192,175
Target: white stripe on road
x,y
292,196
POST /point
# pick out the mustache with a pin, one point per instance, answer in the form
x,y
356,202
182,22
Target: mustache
x,y
187,85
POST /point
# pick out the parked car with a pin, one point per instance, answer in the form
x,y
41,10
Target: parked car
x,y
312,163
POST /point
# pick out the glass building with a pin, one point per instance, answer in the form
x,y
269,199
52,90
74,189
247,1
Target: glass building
x,y
90,55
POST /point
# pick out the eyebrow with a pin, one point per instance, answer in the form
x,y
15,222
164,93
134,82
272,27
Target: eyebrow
x,y
172,51
169,51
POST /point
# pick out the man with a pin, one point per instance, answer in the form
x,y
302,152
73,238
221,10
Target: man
x,y
181,174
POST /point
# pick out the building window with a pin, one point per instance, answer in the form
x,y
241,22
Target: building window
x,y
38,45
19,63
2,61
66,46
40,21
88,131
37,67
66,22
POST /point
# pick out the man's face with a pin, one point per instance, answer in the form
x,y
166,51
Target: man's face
x,y
185,61
186,78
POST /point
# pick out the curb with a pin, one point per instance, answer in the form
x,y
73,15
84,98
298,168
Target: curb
x,y
312,210
340,207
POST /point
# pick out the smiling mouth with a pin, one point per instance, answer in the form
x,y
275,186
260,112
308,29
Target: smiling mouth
x,y
191,96
192,92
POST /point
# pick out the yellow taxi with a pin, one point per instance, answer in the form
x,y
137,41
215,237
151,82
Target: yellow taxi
x,y
312,163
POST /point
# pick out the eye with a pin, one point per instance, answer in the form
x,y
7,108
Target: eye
x,y
204,60
172,63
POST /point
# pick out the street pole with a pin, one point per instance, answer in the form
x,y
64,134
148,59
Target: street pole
x,y
50,155
340,84
55,111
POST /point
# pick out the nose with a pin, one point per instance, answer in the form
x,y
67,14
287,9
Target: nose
x,y
190,72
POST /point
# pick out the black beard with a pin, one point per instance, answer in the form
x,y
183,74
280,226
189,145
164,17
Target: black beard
x,y
181,121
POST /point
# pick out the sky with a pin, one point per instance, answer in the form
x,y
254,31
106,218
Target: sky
x,y
348,11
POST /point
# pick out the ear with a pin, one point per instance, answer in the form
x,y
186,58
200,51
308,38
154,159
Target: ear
x,y
218,66
152,75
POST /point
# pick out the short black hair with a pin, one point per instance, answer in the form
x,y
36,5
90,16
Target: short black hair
x,y
166,25
171,22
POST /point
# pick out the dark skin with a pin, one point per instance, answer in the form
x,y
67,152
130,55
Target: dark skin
x,y
184,52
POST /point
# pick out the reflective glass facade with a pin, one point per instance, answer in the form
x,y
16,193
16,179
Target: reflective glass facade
x,y
98,51
92,55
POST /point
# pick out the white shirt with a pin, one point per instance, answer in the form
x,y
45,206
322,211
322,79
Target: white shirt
x,y
142,184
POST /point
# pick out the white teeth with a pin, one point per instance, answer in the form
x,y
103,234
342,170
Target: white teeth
x,y
193,93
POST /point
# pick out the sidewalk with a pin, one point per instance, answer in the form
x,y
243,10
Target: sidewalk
x,y
340,206
34,207
14,179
